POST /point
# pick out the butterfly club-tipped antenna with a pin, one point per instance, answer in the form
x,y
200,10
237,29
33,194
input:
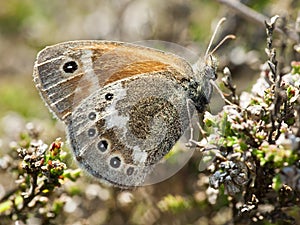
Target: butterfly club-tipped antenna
x,y
221,21
209,52
208,57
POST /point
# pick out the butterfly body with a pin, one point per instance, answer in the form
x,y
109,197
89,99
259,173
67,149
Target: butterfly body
x,y
124,105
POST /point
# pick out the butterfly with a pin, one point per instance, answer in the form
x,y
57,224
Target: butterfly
x,y
124,105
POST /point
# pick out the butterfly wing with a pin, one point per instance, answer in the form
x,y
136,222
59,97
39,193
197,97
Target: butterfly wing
x,y
69,72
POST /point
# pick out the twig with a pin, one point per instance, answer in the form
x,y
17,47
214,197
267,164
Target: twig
x,y
253,16
227,81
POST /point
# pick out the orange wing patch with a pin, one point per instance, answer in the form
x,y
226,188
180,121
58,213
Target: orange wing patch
x,y
136,69
113,61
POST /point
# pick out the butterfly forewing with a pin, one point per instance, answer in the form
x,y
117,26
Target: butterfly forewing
x,y
90,65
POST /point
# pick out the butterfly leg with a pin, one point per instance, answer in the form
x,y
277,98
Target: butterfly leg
x,y
191,141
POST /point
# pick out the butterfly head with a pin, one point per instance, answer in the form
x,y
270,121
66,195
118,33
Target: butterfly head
x,y
201,88
209,71
205,72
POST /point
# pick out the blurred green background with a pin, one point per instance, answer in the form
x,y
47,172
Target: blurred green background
x,y
27,26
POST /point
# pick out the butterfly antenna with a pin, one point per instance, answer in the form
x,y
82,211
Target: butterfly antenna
x,y
222,20
230,36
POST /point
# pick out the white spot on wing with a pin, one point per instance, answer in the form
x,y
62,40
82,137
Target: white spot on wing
x,y
139,156
88,69
113,119
89,79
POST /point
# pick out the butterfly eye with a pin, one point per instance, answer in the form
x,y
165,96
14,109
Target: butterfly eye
x,y
115,162
102,145
70,67
109,96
